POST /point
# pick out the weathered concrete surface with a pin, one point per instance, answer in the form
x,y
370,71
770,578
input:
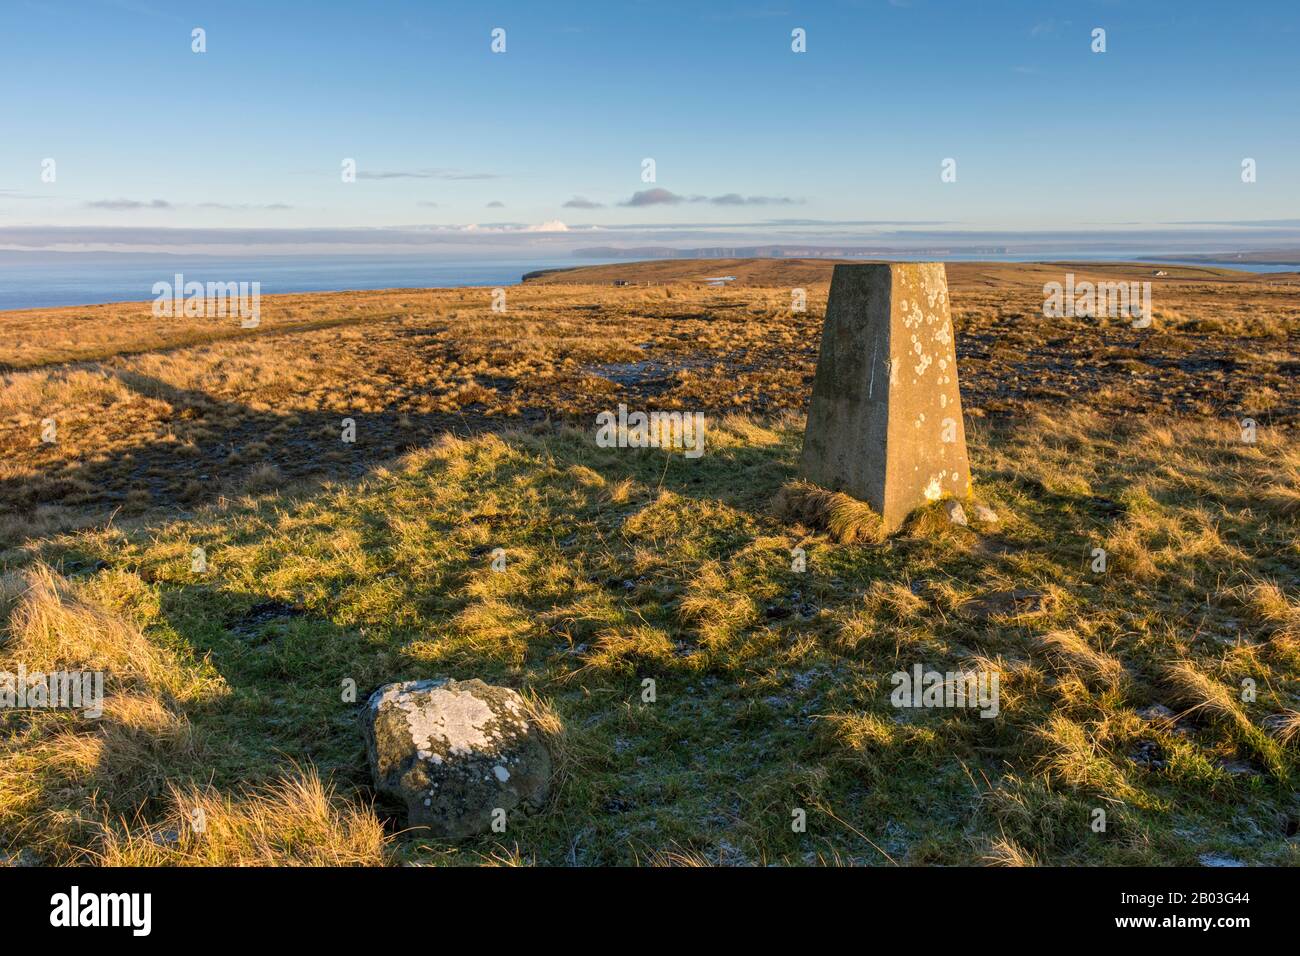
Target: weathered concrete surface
x,y
885,423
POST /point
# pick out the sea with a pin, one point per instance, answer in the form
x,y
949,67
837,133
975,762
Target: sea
x,y
31,280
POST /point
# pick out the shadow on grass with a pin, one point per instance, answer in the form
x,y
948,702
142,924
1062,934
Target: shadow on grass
x,y
210,448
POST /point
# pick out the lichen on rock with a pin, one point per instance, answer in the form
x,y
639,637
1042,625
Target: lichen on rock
x,y
454,752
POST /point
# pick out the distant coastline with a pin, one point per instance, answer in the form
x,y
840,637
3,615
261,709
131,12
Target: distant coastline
x,y
948,253
38,280
1276,257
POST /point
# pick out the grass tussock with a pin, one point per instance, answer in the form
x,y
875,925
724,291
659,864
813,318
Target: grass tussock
x,y
678,858
1006,852
1269,605
1282,500
132,752
55,625
1078,655
62,767
1077,756
932,522
295,821
1286,726
844,518
1199,693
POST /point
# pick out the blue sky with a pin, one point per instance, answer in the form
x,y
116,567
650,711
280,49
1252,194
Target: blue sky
x,y
448,135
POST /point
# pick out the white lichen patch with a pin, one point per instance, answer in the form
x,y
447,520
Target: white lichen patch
x,y
459,723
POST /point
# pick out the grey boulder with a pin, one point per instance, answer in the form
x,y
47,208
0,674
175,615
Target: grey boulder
x,y
458,753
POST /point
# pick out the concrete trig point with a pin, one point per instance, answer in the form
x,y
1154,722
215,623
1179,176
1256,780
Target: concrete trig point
x,y
885,422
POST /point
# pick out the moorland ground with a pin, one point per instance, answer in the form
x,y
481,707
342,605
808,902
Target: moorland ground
x,y
368,561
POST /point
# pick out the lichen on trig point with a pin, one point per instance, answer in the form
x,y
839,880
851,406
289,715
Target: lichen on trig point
x,y
885,422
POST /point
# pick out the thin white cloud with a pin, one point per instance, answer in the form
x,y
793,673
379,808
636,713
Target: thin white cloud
x,y
128,204
244,205
664,197
440,173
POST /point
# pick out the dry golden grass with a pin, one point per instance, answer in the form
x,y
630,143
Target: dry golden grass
x,y
1282,499
1269,605
56,626
296,821
1076,654
1076,756
1286,726
1006,852
1201,694
844,517
678,858
714,607
65,767
1197,692
931,521
896,601
566,753
130,754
